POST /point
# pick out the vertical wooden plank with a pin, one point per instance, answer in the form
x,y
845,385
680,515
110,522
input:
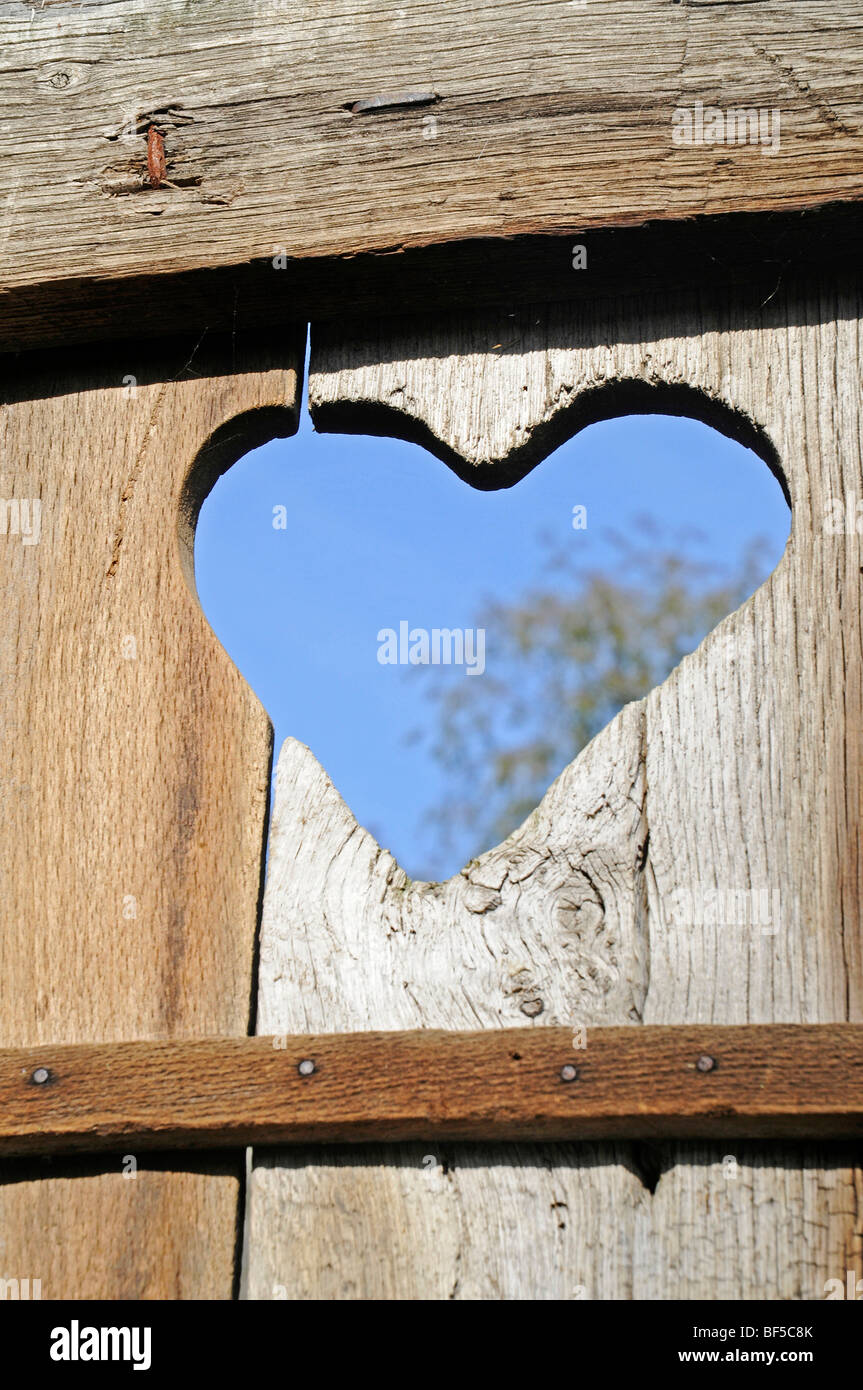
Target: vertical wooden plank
x,y
755,741
421,1222
759,1221
134,764
349,942
745,775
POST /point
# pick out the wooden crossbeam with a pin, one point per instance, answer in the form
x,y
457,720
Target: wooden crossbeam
x,y
760,1081
298,143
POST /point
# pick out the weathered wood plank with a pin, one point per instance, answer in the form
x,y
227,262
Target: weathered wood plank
x,y
758,250
749,1221
417,1236
551,119
349,942
351,932
742,769
134,767
744,1082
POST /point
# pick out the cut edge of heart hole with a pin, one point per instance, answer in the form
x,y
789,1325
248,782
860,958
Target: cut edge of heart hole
x,y
608,401
240,435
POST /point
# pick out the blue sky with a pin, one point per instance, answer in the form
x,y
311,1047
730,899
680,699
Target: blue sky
x,y
379,531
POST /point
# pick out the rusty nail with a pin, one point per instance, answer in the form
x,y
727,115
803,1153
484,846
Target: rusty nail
x,y
306,1067
568,1072
706,1063
156,168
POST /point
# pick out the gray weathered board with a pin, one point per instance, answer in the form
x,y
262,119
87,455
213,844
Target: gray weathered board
x,y
741,771
498,120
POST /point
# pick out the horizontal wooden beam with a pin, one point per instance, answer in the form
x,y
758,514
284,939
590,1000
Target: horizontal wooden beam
x,y
756,252
307,140
761,1081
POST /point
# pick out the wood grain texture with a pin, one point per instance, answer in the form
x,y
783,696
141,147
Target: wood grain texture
x,y
584,884
103,1229
773,1081
748,1221
551,118
134,767
743,769
404,1221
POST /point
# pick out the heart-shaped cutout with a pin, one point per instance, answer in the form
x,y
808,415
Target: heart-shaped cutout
x,y
327,565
